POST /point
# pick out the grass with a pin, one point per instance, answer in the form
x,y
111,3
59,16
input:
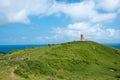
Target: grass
x,y
78,60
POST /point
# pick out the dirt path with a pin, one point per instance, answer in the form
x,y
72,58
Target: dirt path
x,y
12,75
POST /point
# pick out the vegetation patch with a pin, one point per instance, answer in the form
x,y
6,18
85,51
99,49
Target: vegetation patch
x,y
78,60
118,76
21,73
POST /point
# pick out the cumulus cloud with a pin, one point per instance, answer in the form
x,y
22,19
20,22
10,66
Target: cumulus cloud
x,y
20,16
92,32
108,5
92,13
86,10
76,11
19,10
12,11
104,17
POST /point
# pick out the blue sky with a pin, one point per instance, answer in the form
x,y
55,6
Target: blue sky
x,y
56,21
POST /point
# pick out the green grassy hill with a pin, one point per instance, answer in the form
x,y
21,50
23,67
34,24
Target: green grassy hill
x,y
80,60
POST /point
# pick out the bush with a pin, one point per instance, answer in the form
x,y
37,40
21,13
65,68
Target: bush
x,y
40,67
51,45
21,73
13,51
118,76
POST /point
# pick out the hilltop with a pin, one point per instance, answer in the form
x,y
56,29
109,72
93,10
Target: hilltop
x,y
78,60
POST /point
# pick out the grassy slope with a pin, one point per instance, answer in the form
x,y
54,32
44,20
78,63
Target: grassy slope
x,y
68,61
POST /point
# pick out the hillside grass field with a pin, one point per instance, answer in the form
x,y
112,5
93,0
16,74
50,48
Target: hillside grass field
x,y
78,60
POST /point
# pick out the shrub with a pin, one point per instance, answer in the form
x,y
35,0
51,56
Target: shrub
x,y
13,51
118,76
40,67
21,73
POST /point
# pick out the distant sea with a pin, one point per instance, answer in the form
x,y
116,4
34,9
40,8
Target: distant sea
x,y
8,48
114,45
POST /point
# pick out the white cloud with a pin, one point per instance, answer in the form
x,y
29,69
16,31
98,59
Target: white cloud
x,y
111,32
92,13
88,10
77,10
12,11
104,17
19,10
77,26
92,32
108,5
20,16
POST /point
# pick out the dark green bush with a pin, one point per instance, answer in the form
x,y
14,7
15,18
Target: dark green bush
x,y
40,67
21,73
